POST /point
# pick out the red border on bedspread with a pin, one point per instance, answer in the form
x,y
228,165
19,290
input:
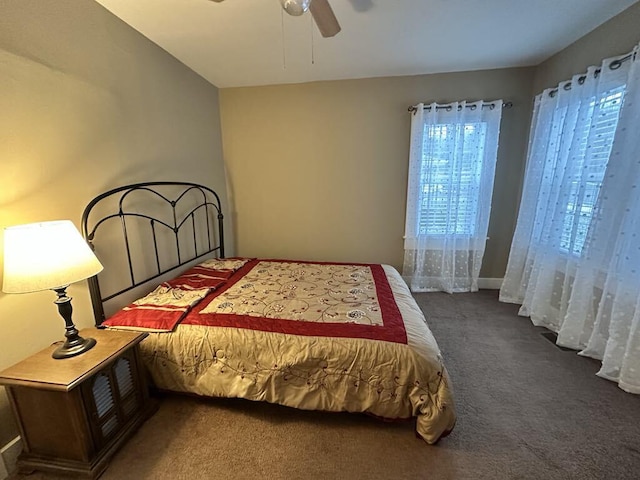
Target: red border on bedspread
x,y
392,329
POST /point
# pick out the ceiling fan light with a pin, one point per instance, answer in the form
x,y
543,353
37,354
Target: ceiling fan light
x,y
295,7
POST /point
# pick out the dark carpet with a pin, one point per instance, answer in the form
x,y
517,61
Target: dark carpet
x,y
526,410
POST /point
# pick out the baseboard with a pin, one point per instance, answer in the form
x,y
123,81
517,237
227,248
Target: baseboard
x,y
490,283
9,457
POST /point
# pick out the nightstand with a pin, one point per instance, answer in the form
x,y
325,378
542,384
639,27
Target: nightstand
x,y
73,414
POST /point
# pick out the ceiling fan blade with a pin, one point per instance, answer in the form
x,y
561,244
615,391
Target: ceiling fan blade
x,y
324,17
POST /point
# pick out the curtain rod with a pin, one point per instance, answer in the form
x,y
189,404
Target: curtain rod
x,y
490,105
616,64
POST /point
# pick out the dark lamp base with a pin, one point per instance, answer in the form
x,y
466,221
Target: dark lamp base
x,y
71,349
74,343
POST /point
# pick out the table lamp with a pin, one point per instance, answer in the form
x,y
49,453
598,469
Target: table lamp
x,y
50,255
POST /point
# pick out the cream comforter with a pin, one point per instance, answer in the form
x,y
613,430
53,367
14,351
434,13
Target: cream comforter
x,y
386,379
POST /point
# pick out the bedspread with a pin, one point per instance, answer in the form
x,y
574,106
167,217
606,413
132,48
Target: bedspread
x,y
393,378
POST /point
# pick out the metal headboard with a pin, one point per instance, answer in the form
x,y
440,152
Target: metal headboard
x,y
195,219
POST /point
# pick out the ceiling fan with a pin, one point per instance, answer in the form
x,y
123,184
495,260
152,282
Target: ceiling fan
x,y
321,12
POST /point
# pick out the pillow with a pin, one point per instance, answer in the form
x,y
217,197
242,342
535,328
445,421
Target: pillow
x,y
198,277
231,264
159,311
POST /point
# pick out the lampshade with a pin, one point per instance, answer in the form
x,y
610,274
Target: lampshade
x,y
46,255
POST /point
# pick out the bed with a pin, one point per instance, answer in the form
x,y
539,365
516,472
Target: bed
x,y
309,335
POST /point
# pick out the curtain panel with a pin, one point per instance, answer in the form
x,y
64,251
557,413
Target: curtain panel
x,y
574,264
452,162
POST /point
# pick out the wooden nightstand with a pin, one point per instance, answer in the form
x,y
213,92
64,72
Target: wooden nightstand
x,y
73,414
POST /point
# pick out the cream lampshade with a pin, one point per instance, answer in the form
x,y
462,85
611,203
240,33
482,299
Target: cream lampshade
x,y
50,255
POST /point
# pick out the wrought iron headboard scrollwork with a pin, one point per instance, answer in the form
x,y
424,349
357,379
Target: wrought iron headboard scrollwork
x,y
190,212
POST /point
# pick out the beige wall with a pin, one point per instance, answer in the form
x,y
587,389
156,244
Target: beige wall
x,y
318,171
615,37
87,104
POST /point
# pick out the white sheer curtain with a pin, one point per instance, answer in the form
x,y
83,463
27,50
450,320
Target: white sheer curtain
x,y
451,169
575,258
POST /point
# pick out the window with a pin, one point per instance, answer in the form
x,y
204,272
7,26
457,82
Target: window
x,y
593,144
452,161
450,184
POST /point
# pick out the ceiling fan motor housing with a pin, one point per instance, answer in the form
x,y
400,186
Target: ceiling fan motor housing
x,y
295,7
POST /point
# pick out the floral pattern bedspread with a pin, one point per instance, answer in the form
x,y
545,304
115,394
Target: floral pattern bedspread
x,y
310,292
388,379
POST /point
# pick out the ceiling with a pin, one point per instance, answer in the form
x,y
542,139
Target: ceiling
x,y
251,42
